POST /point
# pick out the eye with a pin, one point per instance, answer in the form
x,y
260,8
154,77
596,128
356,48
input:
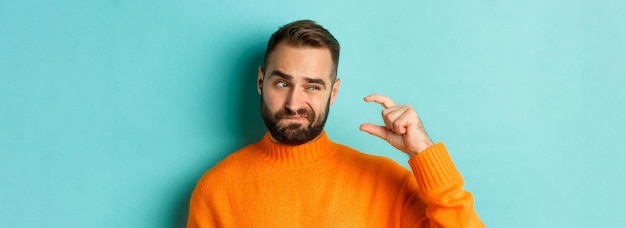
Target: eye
x,y
314,88
282,84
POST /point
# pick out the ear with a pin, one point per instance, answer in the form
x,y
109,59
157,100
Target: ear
x,y
259,80
333,93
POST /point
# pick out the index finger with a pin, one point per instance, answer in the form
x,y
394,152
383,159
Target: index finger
x,y
383,100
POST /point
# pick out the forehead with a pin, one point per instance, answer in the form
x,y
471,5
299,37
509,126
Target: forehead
x,y
301,61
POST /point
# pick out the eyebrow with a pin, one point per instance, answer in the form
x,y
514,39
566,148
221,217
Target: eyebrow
x,y
280,74
316,81
289,77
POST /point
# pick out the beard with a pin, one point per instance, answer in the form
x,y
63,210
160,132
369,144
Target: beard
x,y
294,133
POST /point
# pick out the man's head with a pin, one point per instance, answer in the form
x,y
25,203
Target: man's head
x,y
305,33
299,81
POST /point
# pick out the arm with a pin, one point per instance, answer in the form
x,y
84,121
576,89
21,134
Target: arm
x,y
439,184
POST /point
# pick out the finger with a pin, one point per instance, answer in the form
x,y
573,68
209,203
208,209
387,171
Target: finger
x,y
383,100
412,137
396,118
404,121
393,112
375,130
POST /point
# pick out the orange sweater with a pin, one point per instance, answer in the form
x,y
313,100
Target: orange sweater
x,y
324,184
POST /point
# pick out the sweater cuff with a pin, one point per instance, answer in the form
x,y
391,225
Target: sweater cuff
x,y
434,169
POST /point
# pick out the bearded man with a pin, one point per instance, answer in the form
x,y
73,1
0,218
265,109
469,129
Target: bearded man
x,y
295,176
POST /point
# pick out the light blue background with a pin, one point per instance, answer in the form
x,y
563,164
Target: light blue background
x,y
111,110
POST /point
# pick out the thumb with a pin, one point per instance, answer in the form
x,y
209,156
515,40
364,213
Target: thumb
x,y
375,130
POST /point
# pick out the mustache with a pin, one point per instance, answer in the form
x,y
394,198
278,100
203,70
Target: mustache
x,y
286,113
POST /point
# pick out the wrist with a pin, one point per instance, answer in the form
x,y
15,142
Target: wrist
x,y
421,147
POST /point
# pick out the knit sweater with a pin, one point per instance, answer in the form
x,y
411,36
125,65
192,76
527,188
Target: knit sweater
x,y
324,184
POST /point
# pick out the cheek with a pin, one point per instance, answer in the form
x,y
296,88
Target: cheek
x,y
319,104
272,100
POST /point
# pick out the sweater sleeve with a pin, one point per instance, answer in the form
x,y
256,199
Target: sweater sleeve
x,y
440,186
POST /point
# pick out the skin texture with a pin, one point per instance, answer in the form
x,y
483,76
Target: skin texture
x,y
298,82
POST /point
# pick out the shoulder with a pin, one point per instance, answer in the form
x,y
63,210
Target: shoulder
x,y
365,157
376,172
377,164
228,170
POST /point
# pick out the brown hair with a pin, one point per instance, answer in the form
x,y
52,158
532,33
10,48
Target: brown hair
x,y
305,33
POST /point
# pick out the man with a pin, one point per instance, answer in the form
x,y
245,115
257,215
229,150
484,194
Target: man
x,y
297,177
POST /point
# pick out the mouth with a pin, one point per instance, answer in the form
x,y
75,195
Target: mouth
x,y
296,118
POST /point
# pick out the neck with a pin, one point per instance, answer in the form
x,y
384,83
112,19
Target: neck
x,y
309,152
287,144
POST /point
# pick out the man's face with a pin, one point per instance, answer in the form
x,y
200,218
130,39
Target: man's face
x,y
296,91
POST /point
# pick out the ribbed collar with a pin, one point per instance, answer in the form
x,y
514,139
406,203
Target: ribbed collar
x,y
306,153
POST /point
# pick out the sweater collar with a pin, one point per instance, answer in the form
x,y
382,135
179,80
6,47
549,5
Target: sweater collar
x,y
316,150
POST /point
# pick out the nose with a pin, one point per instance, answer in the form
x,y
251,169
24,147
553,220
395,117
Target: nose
x,y
295,100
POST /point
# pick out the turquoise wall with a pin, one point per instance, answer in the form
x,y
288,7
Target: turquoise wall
x,y
111,110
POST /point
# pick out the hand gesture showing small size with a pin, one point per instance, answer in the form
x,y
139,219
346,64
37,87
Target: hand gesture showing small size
x,y
403,128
